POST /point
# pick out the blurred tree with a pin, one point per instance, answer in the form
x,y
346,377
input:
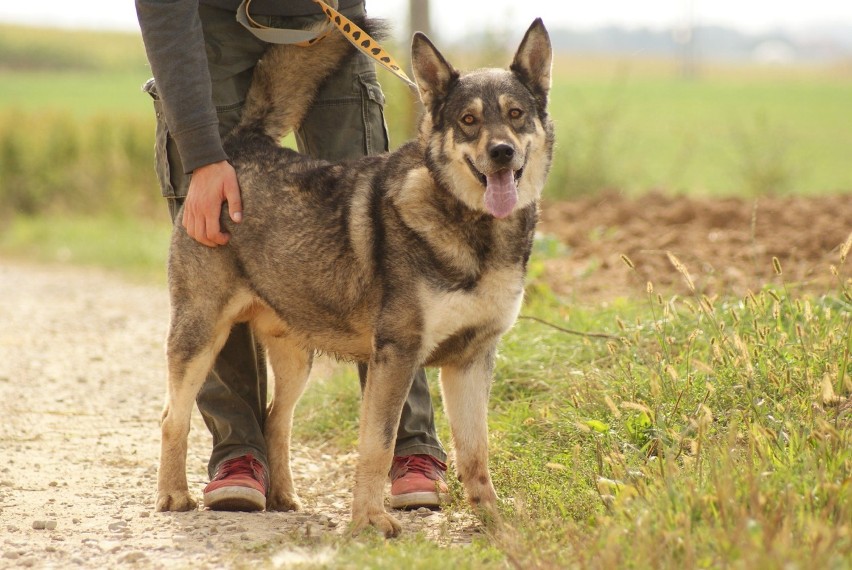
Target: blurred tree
x,y
418,17
418,21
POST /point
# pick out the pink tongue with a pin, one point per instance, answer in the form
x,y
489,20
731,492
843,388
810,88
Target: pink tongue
x,y
501,194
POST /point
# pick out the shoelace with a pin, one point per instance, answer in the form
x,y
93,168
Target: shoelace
x,y
423,464
243,465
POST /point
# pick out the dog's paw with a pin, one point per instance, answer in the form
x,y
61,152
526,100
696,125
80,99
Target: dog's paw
x,y
382,521
283,502
485,507
176,501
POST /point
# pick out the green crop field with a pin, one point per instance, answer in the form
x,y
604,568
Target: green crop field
x,y
624,124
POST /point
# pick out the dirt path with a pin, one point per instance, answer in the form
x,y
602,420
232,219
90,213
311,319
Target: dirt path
x,y
81,389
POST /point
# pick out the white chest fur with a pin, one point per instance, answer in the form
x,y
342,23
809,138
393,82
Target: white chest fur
x,y
494,303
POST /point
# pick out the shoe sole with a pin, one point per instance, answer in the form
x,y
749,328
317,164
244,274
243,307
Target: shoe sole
x,y
428,499
235,499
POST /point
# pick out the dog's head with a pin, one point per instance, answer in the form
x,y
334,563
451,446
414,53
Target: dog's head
x,y
488,134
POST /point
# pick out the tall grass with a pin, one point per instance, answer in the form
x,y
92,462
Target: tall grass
x,y
55,162
710,433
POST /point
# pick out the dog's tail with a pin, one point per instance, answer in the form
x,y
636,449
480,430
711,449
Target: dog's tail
x,y
286,81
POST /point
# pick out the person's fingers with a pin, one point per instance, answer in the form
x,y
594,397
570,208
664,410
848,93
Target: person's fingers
x,y
235,202
211,223
196,225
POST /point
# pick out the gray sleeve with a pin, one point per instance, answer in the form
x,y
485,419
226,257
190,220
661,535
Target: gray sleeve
x,y
174,42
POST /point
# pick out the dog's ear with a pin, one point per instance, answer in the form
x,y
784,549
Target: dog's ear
x,y
434,75
533,61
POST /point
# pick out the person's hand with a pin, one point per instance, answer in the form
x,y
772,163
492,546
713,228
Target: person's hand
x,y
209,187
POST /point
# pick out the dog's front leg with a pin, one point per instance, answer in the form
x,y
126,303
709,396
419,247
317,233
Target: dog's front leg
x,y
389,379
466,389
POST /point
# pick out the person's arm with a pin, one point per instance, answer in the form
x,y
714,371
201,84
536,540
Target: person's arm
x,y
174,42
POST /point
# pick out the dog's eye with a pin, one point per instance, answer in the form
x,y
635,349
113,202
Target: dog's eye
x,y
515,113
468,119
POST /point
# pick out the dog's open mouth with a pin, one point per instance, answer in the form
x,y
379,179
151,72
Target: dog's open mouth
x,y
501,189
483,179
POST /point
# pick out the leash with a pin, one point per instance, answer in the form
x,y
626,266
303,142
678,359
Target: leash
x,y
303,38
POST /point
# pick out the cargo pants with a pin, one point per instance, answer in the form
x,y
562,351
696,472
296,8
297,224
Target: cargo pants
x,y
346,121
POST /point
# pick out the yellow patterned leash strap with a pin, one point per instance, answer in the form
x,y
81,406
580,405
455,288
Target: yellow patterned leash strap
x,y
364,42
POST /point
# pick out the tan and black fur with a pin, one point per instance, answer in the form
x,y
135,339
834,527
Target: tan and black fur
x,y
408,259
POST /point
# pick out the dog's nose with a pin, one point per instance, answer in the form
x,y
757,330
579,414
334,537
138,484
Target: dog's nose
x,y
501,153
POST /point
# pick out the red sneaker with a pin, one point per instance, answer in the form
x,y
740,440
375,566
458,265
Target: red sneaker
x,y
239,485
418,481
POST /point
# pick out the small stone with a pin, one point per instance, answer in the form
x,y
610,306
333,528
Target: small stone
x,y
133,557
50,525
424,512
116,526
11,555
38,525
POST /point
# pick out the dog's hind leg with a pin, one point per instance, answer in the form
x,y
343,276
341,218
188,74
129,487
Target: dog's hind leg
x,y
465,390
191,348
291,365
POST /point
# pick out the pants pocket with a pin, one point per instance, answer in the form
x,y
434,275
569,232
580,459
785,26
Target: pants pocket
x,y
162,141
347,119
373,109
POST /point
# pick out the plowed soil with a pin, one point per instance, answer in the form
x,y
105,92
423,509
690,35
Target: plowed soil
x,y
727,245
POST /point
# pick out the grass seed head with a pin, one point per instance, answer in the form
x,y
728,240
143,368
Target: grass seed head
x,y
682,270
844,249
627,262
776,265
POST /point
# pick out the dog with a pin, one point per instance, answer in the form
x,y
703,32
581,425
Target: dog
x,y
407,259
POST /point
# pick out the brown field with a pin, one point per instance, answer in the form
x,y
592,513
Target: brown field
x,y
726,244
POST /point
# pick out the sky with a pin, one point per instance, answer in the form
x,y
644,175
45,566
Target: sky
x,y
451,19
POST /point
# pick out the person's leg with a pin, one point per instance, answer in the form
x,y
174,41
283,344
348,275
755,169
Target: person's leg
x,y
232,400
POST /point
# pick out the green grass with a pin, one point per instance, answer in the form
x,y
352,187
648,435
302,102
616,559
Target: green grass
x,y
80,94
131,246
709,136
